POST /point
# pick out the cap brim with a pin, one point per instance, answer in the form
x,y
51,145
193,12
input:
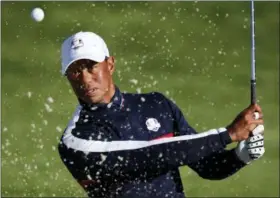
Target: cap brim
x,y
80,58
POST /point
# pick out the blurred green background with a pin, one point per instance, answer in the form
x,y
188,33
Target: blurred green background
x,y
196,53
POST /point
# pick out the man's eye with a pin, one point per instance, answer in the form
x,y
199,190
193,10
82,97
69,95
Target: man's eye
x,y
92,67
75,75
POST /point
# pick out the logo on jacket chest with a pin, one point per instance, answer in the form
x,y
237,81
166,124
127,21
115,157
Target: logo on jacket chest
x,y
152,124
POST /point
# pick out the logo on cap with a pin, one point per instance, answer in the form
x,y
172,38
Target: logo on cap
x,y
76,43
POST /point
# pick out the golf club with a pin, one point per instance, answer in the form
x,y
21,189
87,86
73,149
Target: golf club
x,y
253,61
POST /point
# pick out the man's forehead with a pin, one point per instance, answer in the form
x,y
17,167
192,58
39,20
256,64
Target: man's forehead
x,y
82,63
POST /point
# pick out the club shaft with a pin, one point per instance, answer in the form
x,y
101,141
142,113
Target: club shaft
x,y
253,60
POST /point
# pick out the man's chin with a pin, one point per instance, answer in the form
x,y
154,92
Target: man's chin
x,y
94,99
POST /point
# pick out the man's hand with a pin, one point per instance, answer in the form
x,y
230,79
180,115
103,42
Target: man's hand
x,y
243,125
252,148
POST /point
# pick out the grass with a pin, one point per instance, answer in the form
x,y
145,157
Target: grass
x,y
198,54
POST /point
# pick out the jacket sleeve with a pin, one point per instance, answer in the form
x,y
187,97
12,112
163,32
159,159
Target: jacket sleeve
x,y
219,164
135,158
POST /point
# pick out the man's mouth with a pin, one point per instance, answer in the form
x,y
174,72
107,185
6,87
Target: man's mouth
x,y
90,92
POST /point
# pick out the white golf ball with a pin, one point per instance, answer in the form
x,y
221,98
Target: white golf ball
x,y
37,14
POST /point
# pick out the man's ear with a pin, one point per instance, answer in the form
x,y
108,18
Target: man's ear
x,y
111,64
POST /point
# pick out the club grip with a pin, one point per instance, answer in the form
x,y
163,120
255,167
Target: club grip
x,y
253,92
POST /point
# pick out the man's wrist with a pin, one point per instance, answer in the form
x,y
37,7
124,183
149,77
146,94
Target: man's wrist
x,y
231,134
225,137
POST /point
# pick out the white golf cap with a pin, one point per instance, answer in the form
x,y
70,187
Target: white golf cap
x,y
83,45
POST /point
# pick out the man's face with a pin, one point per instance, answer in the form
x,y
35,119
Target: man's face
x,y
91,81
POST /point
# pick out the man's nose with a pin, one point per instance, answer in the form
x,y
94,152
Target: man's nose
x,y
86,76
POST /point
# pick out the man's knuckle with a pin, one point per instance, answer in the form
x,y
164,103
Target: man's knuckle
x,y
248,122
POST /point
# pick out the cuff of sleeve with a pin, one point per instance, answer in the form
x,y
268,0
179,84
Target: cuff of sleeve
x,y
224,135
237,158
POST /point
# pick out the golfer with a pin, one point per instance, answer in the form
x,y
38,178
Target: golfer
x,y
127,145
